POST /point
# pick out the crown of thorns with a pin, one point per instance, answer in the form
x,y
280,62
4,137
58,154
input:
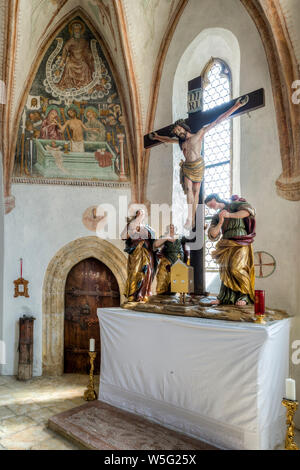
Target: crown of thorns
x,y
181,123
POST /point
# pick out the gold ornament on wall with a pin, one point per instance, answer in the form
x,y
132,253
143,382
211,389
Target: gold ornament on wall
x,y
21,285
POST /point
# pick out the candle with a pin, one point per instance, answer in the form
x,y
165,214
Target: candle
x,y
259,302
290,389
92,345
21,262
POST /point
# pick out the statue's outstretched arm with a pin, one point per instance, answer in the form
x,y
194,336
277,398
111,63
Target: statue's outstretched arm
x,y
163,138
238,104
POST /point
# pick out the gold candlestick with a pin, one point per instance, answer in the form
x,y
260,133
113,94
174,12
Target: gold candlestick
x,y
90,393
291,408
260,319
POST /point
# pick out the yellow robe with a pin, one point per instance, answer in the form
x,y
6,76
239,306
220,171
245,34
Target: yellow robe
x,y
236,264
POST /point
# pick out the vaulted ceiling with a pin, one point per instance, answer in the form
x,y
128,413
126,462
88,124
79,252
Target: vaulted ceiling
x,y
291,13
137,34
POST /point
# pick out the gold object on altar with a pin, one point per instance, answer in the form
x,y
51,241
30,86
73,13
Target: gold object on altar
x,y
182,279
260,320
291,408
90,393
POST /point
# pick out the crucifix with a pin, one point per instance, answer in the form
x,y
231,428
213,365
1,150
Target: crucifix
x,y
199,122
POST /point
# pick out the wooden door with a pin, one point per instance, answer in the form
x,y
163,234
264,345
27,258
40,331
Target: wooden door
x,y
90,285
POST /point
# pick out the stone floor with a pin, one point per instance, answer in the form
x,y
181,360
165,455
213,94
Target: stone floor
x,y
25,408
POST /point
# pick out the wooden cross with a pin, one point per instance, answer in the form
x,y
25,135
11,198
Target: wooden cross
x,y
196,120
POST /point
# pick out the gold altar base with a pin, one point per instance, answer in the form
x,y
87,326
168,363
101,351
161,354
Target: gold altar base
x,y
90,393
291,408
200,307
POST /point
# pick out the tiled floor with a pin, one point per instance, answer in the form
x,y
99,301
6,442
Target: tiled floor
x,y
25,408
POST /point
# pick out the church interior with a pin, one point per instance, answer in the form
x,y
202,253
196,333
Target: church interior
x,y
147,337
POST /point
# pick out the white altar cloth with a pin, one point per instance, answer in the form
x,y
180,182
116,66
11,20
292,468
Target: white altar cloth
x,y
219,381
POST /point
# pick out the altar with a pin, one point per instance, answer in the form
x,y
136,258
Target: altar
x,y
221,382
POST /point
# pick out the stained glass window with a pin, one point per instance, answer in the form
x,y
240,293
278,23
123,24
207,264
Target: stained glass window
x,y
217,143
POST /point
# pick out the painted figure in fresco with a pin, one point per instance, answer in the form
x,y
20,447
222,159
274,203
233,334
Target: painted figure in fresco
x,y
57,153
76,127
33,124
235,220
96,130
171,248
50,127
34,103
115,114
141,267
192,169
77,60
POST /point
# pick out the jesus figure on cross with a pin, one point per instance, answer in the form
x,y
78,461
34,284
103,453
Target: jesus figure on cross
x,y
192,169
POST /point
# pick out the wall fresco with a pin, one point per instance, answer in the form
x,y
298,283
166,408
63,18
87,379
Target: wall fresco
x,y
72,126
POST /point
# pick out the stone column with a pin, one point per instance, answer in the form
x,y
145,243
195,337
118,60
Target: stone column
x,y
121,138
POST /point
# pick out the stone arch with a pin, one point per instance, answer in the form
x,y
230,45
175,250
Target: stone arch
x,y
54,292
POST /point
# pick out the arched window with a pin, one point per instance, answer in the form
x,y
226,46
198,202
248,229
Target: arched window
x,y
217,89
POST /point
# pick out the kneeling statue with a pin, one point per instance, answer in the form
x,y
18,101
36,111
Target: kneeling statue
x,y
235,220
172,247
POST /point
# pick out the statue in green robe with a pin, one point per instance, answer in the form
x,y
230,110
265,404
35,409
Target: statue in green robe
x,y
172,248
235,223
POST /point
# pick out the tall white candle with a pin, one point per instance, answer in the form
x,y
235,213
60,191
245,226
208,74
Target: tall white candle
x,y
290,389
92,345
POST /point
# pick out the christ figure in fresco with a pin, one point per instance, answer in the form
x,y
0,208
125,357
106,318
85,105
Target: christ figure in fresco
x,y
77,60
76,127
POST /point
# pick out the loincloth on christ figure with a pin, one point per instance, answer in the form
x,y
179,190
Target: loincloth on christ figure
x,y
77,147
194,171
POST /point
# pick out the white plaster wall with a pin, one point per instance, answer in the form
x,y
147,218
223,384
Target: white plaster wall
x,y
278,221
146,22
44,220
